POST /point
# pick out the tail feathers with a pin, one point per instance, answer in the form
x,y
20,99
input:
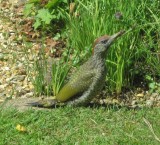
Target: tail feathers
x,y
49,103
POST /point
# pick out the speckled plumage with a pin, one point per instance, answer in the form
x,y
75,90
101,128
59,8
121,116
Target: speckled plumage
x,y
88,81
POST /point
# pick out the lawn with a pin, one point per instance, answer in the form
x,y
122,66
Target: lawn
x,y
68,125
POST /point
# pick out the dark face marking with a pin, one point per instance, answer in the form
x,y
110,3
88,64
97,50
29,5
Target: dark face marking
x,y
104,41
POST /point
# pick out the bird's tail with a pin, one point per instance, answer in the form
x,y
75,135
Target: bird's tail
x,y
46,103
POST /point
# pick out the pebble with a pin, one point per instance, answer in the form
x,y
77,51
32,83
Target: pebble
x,y
2,95
134,102
152,98
13,60
115,101
149,103
6,68
2,87
19,78
108,100
1,27
153,95
28,95
158,98
158,104
1,56
6,10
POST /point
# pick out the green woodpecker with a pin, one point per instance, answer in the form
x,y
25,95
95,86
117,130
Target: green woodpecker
x,y
89,80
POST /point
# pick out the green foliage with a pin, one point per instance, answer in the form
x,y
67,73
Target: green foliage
x,y
52,3
141,22
47,14
39,82
152,84
59,75
51,74
28,9
136,52
43,18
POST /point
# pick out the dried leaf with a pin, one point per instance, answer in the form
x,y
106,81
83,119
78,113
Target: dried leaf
x,y
140,95
21,128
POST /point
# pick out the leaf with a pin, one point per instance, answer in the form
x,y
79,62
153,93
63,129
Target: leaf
x,y
57,36
140,95
27,9
72,7
37,23
45,16
21,128
51,4
152,85
34,1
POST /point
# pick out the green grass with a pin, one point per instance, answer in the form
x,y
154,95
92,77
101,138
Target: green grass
x,y
141,22
134,55
80,126
51,75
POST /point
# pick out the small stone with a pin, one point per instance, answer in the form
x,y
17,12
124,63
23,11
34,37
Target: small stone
x,y
2,100
1,56
28,95
134,102
19,88
101,101
8,73
6,68
1,27
134,106
108,100
19,77
158,104
149,103
5,45
2,87
152,98
31,87
31,58
20,65
8,79
154,95
1,36
21,92
115,101
13,44
158,98
22,72
23,58
6,10
31,65
2,95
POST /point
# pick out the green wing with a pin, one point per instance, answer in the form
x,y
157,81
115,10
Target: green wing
x,y
77,84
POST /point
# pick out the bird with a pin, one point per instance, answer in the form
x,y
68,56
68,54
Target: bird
x,y
88,81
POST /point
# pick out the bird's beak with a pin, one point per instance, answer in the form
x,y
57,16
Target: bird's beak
x,y
114,37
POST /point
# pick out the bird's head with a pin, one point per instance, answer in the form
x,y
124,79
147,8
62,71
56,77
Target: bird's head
x,y
102,43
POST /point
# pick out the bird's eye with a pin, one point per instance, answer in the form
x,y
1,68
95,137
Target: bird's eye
x,y
104,41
